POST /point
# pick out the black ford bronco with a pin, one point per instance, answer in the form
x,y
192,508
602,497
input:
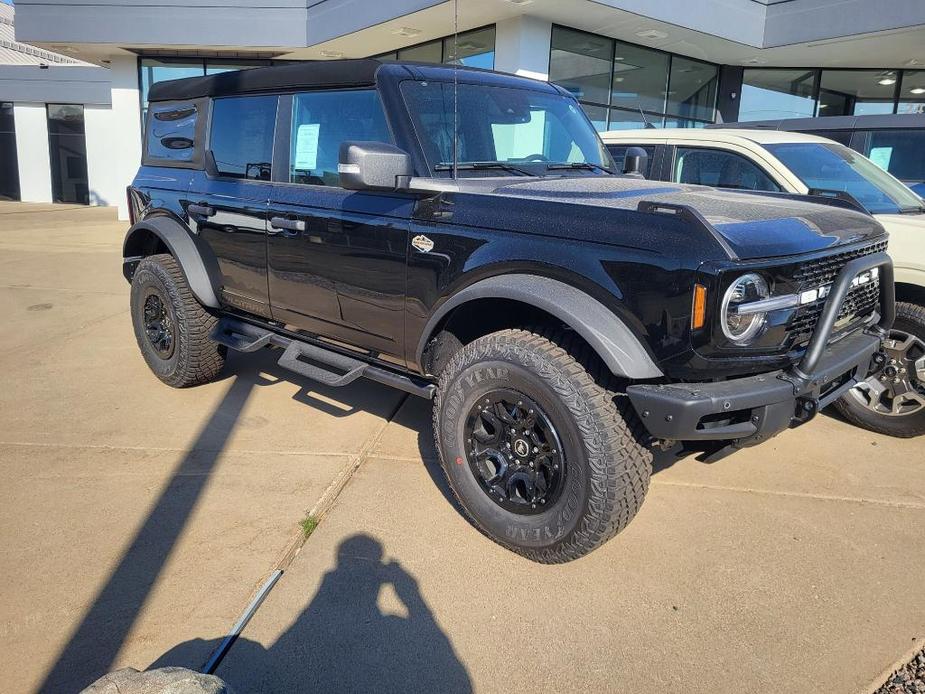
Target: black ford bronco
x,y
461,235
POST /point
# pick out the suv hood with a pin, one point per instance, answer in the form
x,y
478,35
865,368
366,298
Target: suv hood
x,y
754,226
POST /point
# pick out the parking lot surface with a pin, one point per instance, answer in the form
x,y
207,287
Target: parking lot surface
x,y
136,522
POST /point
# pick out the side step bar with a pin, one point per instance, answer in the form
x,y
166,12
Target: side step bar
x,y
314,361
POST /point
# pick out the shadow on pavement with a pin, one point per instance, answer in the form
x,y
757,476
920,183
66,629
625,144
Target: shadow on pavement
x,y
342,641
94,645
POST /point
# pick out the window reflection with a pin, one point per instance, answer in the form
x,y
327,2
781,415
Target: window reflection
x,y
692,89
856,92
770,94
640,78
912,92
582,64
620,79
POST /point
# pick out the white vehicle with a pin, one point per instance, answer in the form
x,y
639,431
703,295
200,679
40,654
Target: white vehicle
x,y
775,161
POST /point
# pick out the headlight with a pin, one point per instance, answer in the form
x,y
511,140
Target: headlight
x,y
741,328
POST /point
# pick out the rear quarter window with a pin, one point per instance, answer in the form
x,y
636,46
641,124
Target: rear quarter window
x,y
174,133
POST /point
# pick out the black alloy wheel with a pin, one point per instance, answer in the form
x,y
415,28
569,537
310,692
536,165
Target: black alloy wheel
x,y
514,452
159,328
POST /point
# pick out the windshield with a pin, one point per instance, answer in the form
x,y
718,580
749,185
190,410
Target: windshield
x,y
503,131
830,166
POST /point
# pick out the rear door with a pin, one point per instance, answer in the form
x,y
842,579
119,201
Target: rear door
x,y
336,257
228,201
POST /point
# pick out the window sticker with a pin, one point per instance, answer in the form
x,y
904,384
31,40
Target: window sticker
x,y
306,147
881,157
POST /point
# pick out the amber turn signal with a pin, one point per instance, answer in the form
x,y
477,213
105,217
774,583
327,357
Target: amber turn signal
x,y
699,309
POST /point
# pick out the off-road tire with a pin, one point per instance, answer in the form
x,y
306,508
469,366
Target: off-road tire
x,y
607,463
195,358
910,318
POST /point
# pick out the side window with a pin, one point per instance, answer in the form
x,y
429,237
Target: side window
x,y
241,137
901,152
321,121
172,131
713,167
618,152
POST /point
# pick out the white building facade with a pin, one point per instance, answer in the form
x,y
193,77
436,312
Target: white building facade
x,y
682,64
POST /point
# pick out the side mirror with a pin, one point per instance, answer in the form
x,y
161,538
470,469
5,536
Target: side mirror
x,y
635,161
373,166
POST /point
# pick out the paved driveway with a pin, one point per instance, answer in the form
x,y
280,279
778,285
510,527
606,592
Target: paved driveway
x,y
136,522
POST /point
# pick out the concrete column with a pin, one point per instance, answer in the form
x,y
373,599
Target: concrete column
x,y
102,158
522,46
125,128
32,152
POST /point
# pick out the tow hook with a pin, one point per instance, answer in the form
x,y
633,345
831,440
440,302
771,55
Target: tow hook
x,y
806,409
878,361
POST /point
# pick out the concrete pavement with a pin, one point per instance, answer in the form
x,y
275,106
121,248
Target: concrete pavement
x,y
132,515
136,521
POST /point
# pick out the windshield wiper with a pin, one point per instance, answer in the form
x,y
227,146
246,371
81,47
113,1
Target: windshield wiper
x,y
476,165
912,209
578,165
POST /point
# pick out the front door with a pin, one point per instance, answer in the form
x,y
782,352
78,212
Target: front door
x,y
228,203
336,258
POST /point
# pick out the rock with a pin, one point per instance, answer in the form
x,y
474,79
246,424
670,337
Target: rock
x,y
167,680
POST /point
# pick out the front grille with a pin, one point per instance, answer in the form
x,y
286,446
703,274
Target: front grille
x,y
860,302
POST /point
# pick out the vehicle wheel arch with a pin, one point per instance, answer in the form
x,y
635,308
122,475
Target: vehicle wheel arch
x,y
165,235
911,292
521,300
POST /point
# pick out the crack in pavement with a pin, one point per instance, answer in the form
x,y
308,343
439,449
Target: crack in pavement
x,y
803,495
164,449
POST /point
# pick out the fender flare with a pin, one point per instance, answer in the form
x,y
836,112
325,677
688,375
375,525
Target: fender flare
x,y
608,336
182,246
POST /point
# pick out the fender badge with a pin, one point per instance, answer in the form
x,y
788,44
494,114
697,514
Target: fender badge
x,y
422,243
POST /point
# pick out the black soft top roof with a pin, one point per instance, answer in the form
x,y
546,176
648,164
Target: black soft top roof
x,y
302,75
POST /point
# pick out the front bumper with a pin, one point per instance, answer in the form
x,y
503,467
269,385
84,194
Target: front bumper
x,y
747,411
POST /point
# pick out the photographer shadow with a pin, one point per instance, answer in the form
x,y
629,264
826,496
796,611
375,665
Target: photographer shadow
x,y
343,641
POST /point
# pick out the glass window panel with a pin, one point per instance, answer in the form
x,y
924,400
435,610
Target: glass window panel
x,y
902,153
473,48
856,92
9,167
714,167
425,53
68,153
777,94
835,167
241,137
154,71
597,115
683,123
639,77
912,92
321,121
171,131
631,120
692,88
500,124
581,63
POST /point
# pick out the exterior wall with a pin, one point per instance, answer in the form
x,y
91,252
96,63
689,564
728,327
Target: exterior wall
x,y
56,84
268,23
124,139
103,160
32,152
522,47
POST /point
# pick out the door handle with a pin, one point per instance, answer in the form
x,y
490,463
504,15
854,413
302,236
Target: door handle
x,y
200,209
277,224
